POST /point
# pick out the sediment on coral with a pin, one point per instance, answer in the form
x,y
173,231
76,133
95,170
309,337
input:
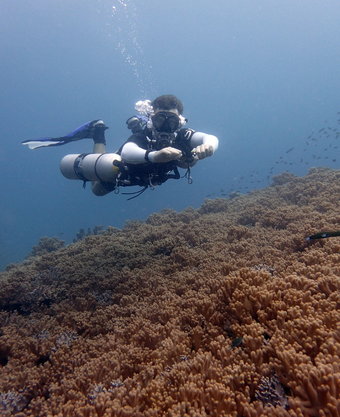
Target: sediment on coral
x,y
222,311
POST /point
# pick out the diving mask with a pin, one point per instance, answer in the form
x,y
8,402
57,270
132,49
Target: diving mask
x,y
165,121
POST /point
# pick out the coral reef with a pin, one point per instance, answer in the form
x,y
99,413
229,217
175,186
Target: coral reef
x,y
46,245
81,234
221,311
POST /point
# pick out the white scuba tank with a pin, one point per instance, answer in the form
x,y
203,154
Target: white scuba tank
x,y
90,167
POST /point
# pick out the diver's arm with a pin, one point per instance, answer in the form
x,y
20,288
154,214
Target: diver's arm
x,y
203,145
134,154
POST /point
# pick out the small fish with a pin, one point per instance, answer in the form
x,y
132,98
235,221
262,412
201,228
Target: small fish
x,y
290,150
323,235
236,342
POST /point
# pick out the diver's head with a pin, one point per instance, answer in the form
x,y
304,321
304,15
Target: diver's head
x,y
167,111
167,102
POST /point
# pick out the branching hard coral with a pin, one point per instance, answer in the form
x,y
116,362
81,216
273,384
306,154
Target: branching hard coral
x,y
47,245
12,402
82,233
283,178
221,311
271,392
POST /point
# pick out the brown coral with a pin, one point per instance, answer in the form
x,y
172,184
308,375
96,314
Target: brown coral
x,y
221,311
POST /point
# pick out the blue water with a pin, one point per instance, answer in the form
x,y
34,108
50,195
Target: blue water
x,y
261,75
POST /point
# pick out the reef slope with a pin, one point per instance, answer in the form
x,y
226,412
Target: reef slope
x,y
221,311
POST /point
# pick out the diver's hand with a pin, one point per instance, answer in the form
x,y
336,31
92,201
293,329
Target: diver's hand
x,y
165,155
202,151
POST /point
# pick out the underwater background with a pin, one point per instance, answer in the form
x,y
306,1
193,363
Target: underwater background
x,y
263,76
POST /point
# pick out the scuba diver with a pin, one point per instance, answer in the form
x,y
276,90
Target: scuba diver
x,y
158,146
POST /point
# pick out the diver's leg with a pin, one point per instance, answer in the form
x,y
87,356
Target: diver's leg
x,y
102,188
99,146
99,142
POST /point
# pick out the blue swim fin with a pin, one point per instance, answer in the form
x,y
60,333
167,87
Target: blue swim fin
x,y
84,131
